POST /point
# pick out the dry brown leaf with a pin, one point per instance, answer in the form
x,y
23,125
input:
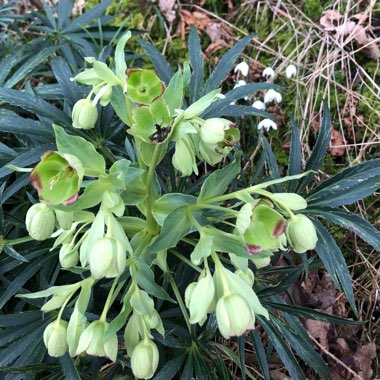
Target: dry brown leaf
x,y
319,331
332,21
278,375
337,147
363,358
166,8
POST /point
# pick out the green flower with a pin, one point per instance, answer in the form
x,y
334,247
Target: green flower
x,y
84,114
93,342
55,338
234,316
265,229
144,359
40,221
57,178
301,233
107,258
68,256
144,86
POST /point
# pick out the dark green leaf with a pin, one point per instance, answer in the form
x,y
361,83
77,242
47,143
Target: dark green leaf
x,y
19,125
349,186
333,259
260,354
225,64
282,349
303,347
162,66
241,345
10,251
68,367
308,313
35,105
295,155
170,369
273,167
350,221
196,61
319,150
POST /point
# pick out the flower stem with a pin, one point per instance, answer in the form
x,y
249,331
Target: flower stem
x,y
109,300
180,302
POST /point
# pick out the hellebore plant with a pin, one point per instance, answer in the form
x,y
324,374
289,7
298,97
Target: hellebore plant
x,y
115,224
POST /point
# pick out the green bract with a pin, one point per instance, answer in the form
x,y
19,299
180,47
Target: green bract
x,y
57,178
144,86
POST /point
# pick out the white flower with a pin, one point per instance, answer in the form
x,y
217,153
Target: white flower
x,y
291,71
267,124
232,103
239,84
259,105
268,73
271,96
242,68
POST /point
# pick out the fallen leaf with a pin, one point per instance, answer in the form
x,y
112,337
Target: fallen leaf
x,y
350,29
363,358
166,7
337,145
319,331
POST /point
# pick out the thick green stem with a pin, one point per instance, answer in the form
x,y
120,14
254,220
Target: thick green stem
x,y
151,224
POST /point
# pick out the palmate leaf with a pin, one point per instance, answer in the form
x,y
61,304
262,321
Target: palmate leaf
x,y
333,259
347,187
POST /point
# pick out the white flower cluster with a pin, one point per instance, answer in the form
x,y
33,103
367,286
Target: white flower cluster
x,y
270,96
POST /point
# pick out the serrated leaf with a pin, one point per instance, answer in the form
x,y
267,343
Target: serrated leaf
x,y
349,186
171,368
349,221
333,259
260,353
273,167
282,349
295,155
161,65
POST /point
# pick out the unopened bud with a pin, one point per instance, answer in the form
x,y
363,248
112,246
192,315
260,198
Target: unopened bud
x,y
40,221
68,257
144,359
212,130
55,338
301,233
84,114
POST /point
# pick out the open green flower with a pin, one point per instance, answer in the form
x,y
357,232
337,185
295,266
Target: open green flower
x,y
143,86
265,229
57,178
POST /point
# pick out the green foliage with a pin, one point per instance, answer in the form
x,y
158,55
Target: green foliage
x,y
155,246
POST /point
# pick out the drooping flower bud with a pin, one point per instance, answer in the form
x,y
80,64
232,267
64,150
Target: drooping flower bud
x,y
301,233
184,156
261,263
107,258
57,178
55,338
68,256
144,359
234,316
93,341
84,114
40,221
212,130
